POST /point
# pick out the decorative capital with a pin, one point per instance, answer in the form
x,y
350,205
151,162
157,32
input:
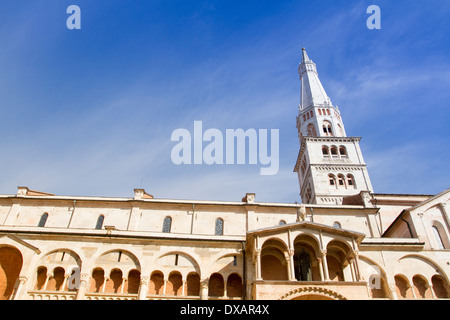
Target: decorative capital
x,y
84,277
204,284
23,279
144,280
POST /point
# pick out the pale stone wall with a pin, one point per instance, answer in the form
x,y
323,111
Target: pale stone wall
x,y
131,240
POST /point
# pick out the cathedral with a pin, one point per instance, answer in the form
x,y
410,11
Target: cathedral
x,y
343,242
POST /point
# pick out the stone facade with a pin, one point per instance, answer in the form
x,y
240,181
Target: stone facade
x,y
257,251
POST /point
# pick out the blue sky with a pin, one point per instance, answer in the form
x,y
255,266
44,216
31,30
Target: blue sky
x,y
91,111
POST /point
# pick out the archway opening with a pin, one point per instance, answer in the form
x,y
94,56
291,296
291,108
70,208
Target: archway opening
x,y
10,266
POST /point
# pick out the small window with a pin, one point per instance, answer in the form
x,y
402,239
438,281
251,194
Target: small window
x,y
437,237
282,223
234,261
342,151
326,126
167,224
219,227
341,180
99,224
43,220
334,152
325,151
332,180
337,225
351,181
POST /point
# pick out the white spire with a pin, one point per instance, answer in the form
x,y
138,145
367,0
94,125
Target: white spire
x,y
305,55
313,93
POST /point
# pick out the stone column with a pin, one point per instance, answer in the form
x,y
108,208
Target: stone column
x,y
411,286
84,281
258,264
46,281
319,259
105,280
18,293
392,289
325,265
291,265
143,288
63,287
430,287
165,286
352,271
204,289
122,286
356,265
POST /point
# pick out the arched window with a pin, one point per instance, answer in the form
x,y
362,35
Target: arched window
x,y
234,285
302,266
341,181
325,151
43,220
351,181
282,223
332,179
100,220
41,278
342,151
312,130
216,286
218,231
97,280
439,287
167,224
337,225
132,285
437,238
334,152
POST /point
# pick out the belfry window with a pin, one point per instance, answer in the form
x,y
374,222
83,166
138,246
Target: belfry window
x,y
334,152
327,128
341,180
342,151
351,181
332,180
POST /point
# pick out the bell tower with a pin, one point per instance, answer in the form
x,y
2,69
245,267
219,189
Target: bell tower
x,y
330,165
